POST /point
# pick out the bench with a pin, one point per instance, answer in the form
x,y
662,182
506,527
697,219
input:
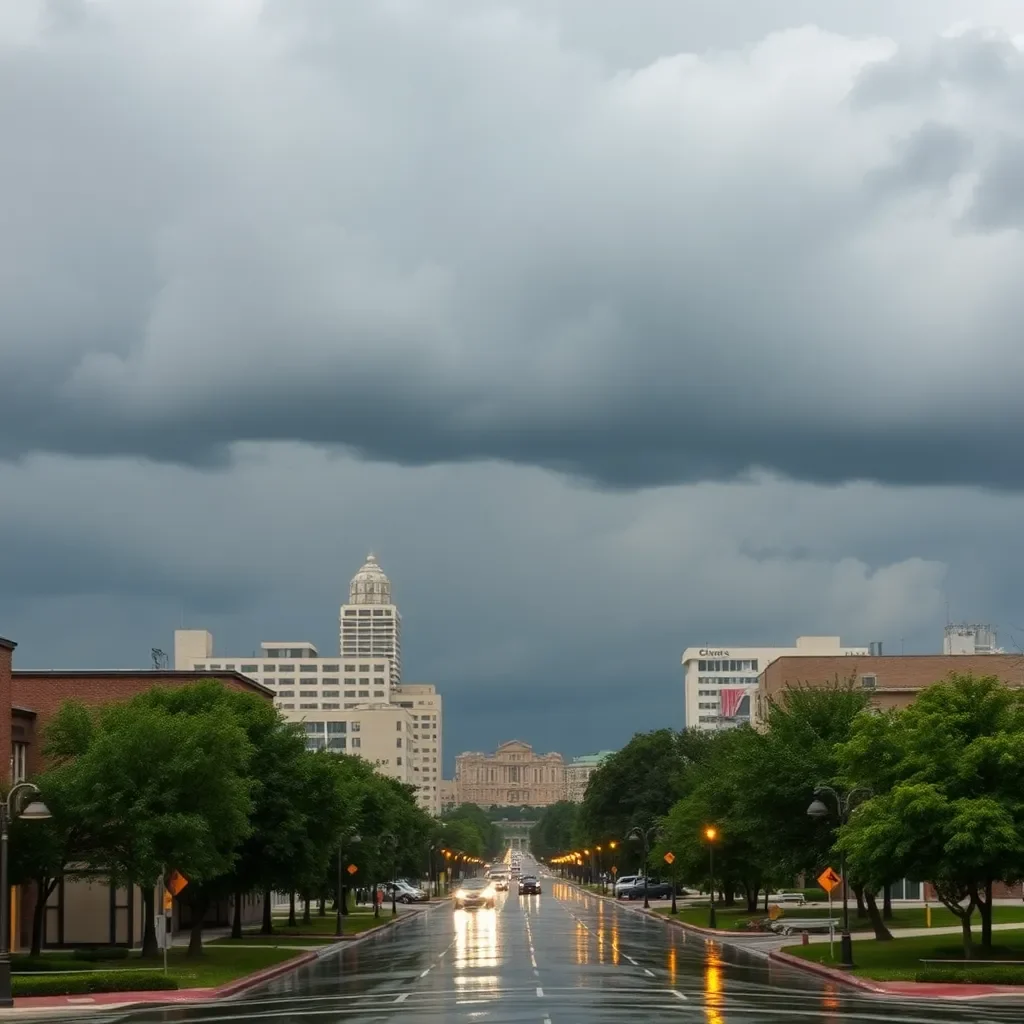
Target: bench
x,y
804,924
788,897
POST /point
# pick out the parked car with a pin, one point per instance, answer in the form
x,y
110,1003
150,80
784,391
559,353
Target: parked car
x,y
406,892
625,882
655,891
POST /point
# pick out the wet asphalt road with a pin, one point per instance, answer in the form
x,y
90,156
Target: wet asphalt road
x,y
560,958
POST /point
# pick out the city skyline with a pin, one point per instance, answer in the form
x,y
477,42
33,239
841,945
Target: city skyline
x,y
593,408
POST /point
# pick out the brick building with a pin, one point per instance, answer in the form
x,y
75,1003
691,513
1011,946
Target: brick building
x,y
894,681
86,912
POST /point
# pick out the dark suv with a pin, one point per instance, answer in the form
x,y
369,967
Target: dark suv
x,y
529,886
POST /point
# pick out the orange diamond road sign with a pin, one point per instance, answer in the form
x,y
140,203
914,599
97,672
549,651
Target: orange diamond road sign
x,y
775,911
670,857
176,882
828,880
352,869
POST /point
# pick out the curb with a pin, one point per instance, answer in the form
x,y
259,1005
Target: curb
x,y
839,977
226,992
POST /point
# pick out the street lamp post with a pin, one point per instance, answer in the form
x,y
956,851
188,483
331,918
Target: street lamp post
x,y
612,845
819,810
646,835
392,841
9,809
711,835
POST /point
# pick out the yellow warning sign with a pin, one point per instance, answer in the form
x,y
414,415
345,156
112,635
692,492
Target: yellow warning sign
x,y
176,882
670,857
828,880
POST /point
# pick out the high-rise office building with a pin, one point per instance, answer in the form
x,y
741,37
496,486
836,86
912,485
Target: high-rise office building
x,y
369,624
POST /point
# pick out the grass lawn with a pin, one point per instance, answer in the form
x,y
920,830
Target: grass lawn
x,y
731,919
217,966
899,960
319,933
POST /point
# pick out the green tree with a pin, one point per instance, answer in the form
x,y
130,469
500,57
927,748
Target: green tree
x,y
159,788
639,783
556,831
947,775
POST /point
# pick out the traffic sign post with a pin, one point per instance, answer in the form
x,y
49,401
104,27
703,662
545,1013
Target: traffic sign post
x,y
670,859
828,880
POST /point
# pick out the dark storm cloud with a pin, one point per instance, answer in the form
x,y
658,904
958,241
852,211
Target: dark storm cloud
x,y
427,233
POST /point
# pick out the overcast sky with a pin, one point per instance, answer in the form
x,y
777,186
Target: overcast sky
x,y
612,328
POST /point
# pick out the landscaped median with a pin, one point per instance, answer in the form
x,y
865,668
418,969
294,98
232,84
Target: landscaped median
x,y
901,959
732,919
225,966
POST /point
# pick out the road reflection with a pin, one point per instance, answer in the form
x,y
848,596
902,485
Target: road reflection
x,y
714,984
476,939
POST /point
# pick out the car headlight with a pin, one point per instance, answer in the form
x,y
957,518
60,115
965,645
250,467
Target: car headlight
x,y
461,894
489,891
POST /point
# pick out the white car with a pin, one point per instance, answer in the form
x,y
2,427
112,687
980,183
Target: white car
x,y
626,882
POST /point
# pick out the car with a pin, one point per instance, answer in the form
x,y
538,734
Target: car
x,y
501,883
655,891
529,886
625,882
407,893
475,892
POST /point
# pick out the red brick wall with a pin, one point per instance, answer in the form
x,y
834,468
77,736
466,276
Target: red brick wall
x,y
913,671
6,652
45,692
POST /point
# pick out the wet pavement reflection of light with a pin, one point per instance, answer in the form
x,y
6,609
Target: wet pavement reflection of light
x,y
562,957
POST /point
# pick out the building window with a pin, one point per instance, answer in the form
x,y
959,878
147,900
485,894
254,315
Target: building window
x,y
307,668
250,668
308,693
398,726
356,741
330,706
398,741
19,762
290,681
286,693
287,707
308,707
332,693
398,761
364,693
350,680
354,727
215,666
330,680
269,668
331,668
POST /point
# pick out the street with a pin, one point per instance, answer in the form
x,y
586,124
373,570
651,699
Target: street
x,y
564,958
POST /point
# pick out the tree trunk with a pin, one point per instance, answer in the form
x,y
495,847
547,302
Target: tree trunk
x,y
766,894
751,893
199,905
887,904
44,888
291,909
858,891
965,925
267,926
306,916
149,946
236,917
344,901
882,934
985,910
322,911
728,895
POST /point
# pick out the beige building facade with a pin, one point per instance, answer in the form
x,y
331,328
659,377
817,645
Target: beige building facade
x,y
512,776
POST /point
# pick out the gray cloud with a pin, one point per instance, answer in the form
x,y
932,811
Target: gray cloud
x,y
449,232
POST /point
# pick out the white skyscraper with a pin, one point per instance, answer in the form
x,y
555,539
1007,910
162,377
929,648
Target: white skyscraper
x,y
370,626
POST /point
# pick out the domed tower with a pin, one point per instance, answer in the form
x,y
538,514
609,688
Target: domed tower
x,y
370,626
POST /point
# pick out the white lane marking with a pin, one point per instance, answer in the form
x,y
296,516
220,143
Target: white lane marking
x,y
533,961
536,973
650,974
425,973
540,992
631,960
678,995
402,998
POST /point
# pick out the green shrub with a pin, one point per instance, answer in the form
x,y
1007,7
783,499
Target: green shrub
x,y
814,895
93,953
93,981
33,964
983,975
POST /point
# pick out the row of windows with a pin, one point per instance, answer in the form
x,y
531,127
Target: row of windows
x,y
365,612
727,681
727,665
307,669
